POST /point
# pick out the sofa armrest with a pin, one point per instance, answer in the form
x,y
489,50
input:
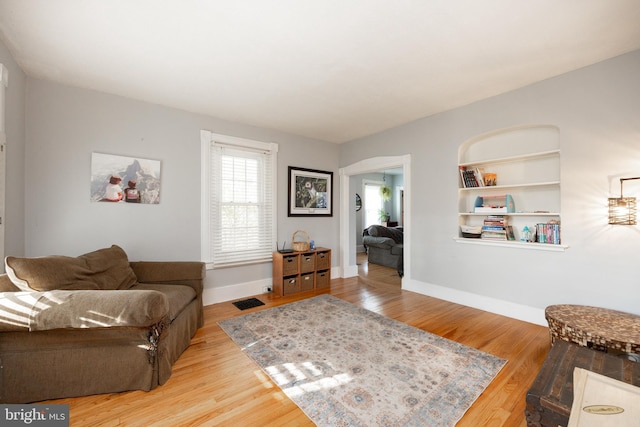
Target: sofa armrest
x,y
378,242
189,273
63,309
15,308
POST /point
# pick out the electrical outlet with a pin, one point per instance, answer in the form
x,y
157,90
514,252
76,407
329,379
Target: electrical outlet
x,y
266,289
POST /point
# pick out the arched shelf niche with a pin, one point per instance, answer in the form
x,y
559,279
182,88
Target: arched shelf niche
x,y
525,161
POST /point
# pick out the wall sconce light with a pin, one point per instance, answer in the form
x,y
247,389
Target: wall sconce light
x,y
622,210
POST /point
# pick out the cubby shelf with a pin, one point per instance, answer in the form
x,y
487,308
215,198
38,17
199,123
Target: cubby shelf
x,y
301,271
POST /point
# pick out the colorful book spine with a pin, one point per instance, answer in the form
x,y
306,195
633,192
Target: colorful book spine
x,y
548,233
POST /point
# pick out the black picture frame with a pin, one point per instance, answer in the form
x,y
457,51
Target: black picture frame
x,y
310,192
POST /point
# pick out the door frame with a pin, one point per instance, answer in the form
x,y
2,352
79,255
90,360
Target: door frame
x,y
348,264
4,83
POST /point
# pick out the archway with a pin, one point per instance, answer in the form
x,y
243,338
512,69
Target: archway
x,y
347,210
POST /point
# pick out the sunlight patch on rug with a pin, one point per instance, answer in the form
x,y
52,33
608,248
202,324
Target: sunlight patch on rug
x,y
345,365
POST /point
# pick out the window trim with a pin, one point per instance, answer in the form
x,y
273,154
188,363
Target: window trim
x,y
206,138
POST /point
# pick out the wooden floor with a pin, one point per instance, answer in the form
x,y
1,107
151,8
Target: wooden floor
x,y
215,384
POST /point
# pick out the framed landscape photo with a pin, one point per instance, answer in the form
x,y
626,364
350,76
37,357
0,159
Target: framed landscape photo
x,y
310,192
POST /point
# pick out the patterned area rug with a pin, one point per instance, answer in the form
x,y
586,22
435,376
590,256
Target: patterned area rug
x,y
344,365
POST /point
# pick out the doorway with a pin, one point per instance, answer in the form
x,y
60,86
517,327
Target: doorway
x,y
348,262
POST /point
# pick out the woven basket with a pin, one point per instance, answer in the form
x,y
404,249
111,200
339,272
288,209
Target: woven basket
x,y
300,246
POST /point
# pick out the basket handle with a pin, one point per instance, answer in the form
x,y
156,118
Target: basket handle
x,y
293,237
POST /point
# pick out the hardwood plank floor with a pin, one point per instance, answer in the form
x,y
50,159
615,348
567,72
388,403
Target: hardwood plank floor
x,y
215,384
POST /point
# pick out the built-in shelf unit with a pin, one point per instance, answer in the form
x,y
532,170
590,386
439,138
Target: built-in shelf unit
x,y
526,162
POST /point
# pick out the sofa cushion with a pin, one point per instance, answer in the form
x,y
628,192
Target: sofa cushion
x,y
97,309
103,269
178,296
380,231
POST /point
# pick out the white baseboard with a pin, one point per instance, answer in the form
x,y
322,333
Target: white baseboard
x,y
350,271
232,292
248,289
492,305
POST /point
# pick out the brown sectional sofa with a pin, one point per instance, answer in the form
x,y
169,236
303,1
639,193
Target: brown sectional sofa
x,y
94,324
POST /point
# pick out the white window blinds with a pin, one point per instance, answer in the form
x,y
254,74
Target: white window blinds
x,y
241,214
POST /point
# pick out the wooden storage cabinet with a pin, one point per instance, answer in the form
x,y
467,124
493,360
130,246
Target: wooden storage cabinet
x,y
301,271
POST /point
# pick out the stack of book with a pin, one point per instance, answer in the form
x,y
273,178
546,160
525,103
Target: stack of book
x,y
471,177
495,227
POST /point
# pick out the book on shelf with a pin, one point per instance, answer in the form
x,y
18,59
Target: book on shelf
x,y
494,227
471,178
548,233
494,235
495,220
461,170
464,179
479,175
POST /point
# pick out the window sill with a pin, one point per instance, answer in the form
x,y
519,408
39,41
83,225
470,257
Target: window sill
x,y
212,266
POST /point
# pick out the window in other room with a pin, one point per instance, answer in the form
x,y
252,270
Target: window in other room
x,y
373,203
238,207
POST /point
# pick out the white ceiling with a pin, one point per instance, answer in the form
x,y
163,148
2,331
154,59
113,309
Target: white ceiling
x,y
333,70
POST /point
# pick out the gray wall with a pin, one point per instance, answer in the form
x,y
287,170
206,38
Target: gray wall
x,y
15,172
65,125
597,110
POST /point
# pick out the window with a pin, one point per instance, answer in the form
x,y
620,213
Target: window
x,y
238,208
373,203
